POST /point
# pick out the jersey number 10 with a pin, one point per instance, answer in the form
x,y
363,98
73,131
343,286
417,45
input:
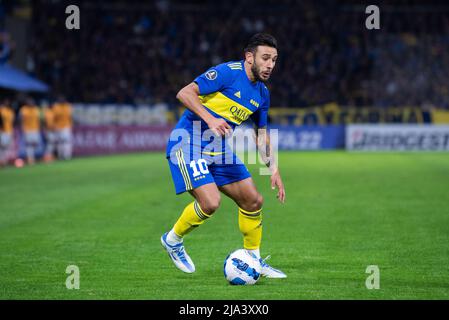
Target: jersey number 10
x,y
199,166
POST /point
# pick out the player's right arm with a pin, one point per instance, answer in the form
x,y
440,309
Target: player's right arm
x,y
213,80
189,98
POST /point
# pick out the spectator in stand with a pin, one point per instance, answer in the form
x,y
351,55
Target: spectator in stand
x,y
132,51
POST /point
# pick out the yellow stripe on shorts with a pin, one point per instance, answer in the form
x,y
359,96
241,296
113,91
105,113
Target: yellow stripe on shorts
x,y
183,168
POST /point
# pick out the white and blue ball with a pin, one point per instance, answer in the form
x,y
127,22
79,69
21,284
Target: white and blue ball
x,y
241,268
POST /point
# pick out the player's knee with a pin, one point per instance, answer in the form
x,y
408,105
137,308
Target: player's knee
x,y
254,204
258,204
210,205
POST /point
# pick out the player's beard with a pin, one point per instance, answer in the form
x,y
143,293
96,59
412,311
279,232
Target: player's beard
x,y
255,70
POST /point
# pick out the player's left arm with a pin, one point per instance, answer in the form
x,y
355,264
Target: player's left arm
x,y
266,152
260,119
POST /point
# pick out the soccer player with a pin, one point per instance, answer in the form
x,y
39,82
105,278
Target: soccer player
x,y
6,130
218,101
62,112
30,119
50,134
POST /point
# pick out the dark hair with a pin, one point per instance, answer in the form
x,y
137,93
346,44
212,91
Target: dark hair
x,y
260,39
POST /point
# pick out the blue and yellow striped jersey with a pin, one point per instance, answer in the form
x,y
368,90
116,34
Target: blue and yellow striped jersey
x,y
226,92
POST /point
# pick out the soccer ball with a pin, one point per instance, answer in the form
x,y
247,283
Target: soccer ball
x,y
241,268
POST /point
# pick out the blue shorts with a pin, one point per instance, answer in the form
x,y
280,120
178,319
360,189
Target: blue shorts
x,y
191,170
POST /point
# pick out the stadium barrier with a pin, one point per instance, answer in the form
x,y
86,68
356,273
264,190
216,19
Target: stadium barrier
x,y
329,114
310,137
109,129
101,139
296,138
397,137
123,115
334,114
114,139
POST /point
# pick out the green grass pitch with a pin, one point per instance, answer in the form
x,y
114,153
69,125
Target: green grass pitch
x,y
344,212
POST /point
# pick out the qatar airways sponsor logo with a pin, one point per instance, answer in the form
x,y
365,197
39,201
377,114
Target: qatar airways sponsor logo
x,y
238,114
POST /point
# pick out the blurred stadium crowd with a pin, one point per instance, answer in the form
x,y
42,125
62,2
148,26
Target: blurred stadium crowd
x,y
134,52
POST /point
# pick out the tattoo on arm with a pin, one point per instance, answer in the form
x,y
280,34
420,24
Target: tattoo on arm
x,y
263,145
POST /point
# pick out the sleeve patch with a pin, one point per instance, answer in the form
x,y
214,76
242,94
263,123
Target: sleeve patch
x,y
211,74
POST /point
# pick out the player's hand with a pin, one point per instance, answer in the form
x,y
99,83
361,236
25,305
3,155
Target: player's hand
x,y
276,182
219,127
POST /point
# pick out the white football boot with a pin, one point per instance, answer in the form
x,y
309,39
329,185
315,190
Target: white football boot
x,y
270,272
178,255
